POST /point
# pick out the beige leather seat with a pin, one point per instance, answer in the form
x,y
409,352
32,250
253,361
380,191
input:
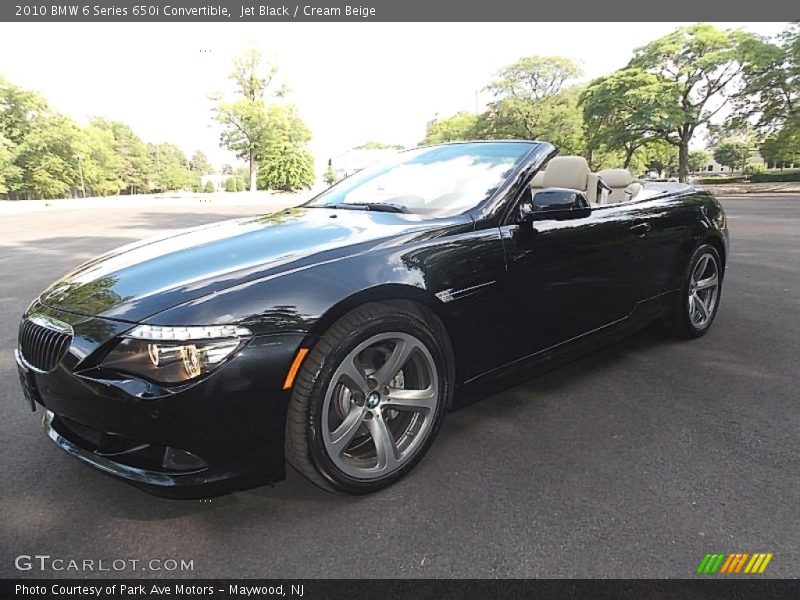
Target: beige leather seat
x,y
624,186
568,172
538,179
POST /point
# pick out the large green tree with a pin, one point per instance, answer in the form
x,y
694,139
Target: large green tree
x,y
49,156
732,153
285,160
623,111
782,147
136,167
21,113
244,119
102,168
199,162
661,157
771,95
533,100
733,144
697,67
698,160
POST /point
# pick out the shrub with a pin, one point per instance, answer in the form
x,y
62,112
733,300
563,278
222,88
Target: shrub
x,y
230,185
330,176
715,180
782,177
209,187
754,169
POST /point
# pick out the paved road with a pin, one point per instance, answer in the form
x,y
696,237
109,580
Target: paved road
x,y
632,462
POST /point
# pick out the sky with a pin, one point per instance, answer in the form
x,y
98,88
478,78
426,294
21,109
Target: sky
x,y
351,82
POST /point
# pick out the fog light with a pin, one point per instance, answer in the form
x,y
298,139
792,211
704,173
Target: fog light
x,y
181,460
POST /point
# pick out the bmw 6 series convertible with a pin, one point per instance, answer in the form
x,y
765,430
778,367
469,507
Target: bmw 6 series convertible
x,y
336,335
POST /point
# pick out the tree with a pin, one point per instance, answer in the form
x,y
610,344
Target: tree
x,y
697,67
102,168
199,163
136,170
49,154
8,170
557,119
736,142
209,187
534,77
661,157
532,101
171,167
698,160
459,127
330,176
286,162
242,175
772,81
732,153
601,157
621,109
21,113
781,148
243,121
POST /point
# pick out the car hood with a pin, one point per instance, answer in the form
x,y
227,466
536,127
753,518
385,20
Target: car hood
x,y
136,281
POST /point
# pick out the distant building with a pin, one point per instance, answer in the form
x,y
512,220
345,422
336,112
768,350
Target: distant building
x,y
714,168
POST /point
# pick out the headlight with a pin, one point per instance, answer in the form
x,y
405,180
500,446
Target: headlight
x,y
175,354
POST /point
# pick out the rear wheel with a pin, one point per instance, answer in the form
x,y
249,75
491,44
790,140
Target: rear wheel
x,y
696,306
369,399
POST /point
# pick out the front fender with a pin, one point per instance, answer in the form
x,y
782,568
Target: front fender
x,y
459,275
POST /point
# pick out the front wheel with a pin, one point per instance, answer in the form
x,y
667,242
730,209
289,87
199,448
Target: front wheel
x,y
369,399
696,305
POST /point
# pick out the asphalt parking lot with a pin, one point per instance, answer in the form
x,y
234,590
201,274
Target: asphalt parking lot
x,y
631,462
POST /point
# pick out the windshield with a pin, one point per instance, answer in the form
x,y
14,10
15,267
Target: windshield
x,y
440,180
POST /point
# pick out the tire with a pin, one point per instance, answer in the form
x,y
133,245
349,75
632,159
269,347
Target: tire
x,y
336,413
695,307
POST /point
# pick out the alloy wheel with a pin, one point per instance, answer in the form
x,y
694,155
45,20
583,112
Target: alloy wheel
x,y
380,405
703,291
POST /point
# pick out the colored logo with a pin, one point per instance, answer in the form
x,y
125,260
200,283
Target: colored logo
x,y
734,562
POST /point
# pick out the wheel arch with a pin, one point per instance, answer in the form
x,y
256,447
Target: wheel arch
x,y
395,293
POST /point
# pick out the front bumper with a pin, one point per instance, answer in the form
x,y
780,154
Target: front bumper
x,y
223,433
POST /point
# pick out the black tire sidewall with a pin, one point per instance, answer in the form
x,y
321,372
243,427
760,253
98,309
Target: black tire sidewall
x,y
400,322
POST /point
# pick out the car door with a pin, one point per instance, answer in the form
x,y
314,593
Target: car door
x,y
567,278
662,241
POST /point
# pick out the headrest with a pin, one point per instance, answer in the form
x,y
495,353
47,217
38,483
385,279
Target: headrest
x,y
538,180
616,178
567,172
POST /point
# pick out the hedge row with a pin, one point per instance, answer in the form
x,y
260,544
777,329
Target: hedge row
x,y
713,180
784,176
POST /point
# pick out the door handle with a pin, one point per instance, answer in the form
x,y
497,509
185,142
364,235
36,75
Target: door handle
x,y
641,229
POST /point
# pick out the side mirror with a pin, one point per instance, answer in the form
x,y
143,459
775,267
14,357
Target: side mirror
x,y
556,204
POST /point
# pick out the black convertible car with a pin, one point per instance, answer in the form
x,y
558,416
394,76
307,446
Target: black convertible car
x,y
336,335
